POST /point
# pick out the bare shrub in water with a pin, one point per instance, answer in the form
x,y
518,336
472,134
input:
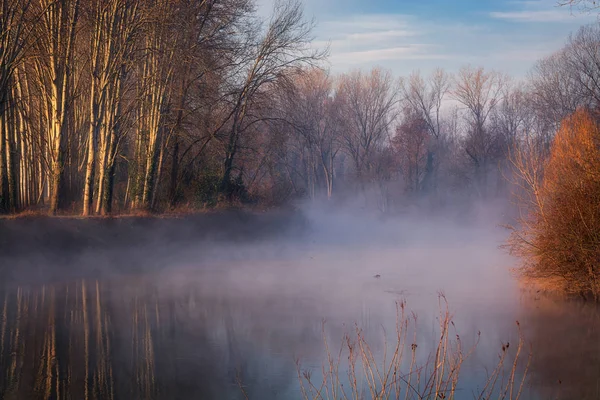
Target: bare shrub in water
x,y
356,371
559,232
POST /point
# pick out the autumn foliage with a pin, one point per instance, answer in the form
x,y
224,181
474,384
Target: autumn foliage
x,y
560,237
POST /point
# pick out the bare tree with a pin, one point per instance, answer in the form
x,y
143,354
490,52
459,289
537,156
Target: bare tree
x,y
310,110
569,78
480,92
207,54
582,57
14,32
113,25
155,75
411,145
514,117
554,93
582,5
280,51
426,98
367,105
55,45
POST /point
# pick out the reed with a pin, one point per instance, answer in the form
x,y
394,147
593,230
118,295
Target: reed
x,y
355,370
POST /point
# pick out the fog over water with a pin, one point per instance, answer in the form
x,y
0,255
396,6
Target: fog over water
x,y
178,314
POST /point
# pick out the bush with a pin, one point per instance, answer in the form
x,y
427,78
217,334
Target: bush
x,y
559,238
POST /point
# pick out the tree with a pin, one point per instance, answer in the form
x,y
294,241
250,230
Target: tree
x,y
55,47
559,236
15,29
569,79
367,106
479,92
513,118
310,109
426,98
155,73
411,145
582,58
207,53
113,26
278,53
582,5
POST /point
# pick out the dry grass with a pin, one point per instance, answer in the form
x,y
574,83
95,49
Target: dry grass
x,y
179,212
355,371
29,213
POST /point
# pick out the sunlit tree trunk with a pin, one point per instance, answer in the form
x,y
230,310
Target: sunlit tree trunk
x,y
95,118
113,133
156,77
55,41
13,32
9,150
114,24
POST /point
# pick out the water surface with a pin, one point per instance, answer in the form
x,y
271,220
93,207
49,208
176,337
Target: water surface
x,y
223,319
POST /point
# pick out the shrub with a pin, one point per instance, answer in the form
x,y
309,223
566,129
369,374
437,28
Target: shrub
x,y
559,237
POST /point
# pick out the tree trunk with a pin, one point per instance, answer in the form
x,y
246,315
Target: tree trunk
x,y
173,196
156,184
88,185
107,202
9,150
151,170
225,186
3,180
56,184
109,177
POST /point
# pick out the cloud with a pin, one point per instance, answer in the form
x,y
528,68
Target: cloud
x,y
381,35
509,37
407,52
366,39
535,16
542,11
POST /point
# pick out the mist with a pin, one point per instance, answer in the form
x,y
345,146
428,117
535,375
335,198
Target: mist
x,y
194,204
252,298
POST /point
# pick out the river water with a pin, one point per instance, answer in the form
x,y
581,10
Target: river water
x,y
235,320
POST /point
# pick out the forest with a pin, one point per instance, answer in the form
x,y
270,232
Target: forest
x,y
118,106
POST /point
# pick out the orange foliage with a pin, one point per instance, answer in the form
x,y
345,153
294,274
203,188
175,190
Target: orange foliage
x,y
561,239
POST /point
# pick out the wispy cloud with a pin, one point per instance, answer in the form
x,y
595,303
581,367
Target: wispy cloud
x,y
369,22
507,35
408,52
543,11
376,38
535,16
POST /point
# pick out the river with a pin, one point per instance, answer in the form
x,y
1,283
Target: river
x,y
234,319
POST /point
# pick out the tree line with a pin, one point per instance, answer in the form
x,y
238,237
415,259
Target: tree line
x,y
123,105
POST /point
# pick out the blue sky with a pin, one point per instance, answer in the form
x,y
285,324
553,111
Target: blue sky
x,y
405,35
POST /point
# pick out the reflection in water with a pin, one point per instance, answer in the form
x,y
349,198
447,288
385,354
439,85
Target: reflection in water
x,y
112,340
138,339
566,342
235,327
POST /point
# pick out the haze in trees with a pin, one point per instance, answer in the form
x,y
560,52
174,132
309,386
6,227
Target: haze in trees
x,y
348,191
122,105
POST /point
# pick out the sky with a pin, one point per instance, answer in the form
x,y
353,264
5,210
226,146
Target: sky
x,y
407,35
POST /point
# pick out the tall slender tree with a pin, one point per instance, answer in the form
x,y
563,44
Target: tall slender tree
x,y
55,47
